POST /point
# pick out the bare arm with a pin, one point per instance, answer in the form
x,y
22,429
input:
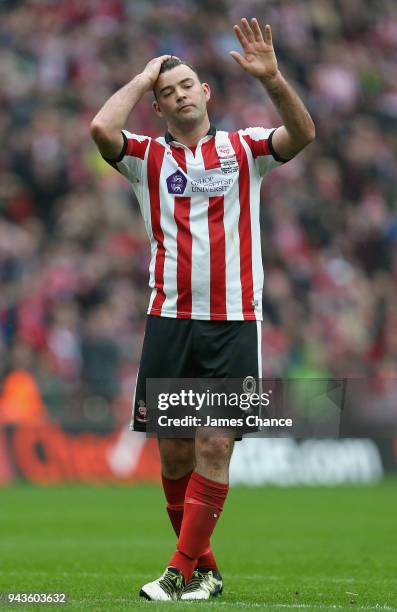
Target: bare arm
x,y
260,61
107,124
298,129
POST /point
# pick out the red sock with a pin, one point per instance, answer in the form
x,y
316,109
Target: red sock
x,y
175,495
174,491
204,501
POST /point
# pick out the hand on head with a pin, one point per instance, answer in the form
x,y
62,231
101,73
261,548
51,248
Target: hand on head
x,y
152,69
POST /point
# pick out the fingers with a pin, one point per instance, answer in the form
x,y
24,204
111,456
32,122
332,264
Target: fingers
x,y
256,29
248,35
242,39
156,61
239,58
162,58
244,34
152,68
159,61
247,30
268,35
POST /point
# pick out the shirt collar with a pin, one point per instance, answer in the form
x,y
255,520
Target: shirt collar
x,y
169,137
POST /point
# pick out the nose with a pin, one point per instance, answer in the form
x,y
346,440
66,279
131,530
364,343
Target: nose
x,y
180,95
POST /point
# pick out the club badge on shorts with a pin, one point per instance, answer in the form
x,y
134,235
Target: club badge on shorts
x,y
141,414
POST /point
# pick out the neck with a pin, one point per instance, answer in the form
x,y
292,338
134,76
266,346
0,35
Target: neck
x,y
190,136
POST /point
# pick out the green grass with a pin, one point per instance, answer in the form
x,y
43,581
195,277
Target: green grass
x,y
293,548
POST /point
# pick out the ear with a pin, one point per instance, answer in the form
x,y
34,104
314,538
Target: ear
x,y
207,91
156,108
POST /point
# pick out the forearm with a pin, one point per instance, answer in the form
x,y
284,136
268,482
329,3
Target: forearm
x,y
296,118
114,113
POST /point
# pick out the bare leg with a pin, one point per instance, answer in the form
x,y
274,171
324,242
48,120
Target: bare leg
x,y
213,456
177,457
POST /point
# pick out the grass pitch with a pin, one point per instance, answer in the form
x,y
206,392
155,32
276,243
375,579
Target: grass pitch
x,y
293,548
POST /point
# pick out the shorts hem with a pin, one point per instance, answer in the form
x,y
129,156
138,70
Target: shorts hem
x,y
206,316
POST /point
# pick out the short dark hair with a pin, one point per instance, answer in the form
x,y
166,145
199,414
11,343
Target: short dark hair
x,y
173,62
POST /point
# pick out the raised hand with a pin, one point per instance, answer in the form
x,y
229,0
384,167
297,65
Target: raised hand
x,y
259,58
152,69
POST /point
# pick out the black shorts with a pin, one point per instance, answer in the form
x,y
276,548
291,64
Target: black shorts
x,y
186,348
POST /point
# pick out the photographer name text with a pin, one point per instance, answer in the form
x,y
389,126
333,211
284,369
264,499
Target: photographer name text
x,y
209,421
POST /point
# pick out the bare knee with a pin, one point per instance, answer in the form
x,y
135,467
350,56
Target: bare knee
x,y
177,457
213,453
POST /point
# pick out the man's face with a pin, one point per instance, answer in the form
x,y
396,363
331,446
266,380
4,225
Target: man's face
x,y
181,98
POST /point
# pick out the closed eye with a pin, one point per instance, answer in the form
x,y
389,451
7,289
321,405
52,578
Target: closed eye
x,y
186,84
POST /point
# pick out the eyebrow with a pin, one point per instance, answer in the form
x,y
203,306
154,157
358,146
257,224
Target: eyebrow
x,y
171,86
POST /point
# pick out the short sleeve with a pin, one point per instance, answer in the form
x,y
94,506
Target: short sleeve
x,y
130,161
259,140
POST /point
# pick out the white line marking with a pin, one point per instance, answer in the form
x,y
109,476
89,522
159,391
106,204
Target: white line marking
x,y
296,606
299,579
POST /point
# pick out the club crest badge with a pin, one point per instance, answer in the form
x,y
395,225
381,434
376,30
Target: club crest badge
x,y
141,413
176,183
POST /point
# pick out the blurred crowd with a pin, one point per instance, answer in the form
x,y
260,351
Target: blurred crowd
x,y
73,249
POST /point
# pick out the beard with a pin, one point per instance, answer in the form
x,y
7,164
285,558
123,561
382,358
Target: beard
x,y
189,118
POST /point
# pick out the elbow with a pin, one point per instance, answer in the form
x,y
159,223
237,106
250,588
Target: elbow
x,y
311,133
96,130
306,136
99,131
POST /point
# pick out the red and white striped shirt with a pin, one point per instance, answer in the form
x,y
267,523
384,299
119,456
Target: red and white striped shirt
x,y
201,212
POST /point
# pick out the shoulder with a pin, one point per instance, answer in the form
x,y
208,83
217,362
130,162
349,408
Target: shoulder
x,y
256,133
259,140
135,145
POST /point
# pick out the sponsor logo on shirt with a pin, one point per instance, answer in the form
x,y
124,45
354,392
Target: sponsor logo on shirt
x,y
229,166
225,150
211,184
227,158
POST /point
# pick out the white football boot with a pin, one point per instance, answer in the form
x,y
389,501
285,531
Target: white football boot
x,y
203,585
166,588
